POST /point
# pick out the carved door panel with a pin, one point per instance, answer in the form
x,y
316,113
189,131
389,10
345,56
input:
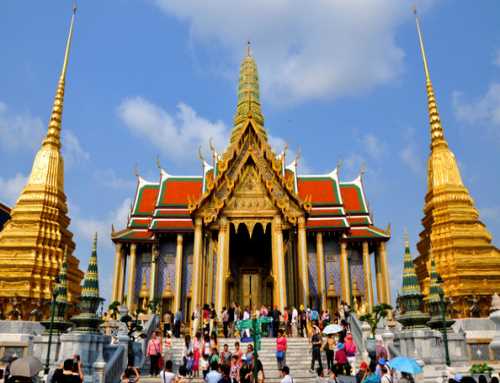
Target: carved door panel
x,y
250,289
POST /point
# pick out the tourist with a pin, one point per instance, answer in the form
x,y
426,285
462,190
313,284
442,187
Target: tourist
x,y
316,343
188,362
130,375
285,375
188,345
246,316
259,370
177,323
302,321
363,368
226,355
350,350
407,378
197,346
225,322
167,346
295,322
285,321
332,377
213,341
494,379
246,371
226,371
380,350
343,333
154,353
238,352
341,364
235,368
66,374
214,375
204,365
347,311
249,354
167,376
206,344
275,314
167,322
330,351
281,346
214,356
371,376
315,317
309,324
231,320
320,378
386,375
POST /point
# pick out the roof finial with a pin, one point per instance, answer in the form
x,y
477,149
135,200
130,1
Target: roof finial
x,y
94,244
406,238
53,137
136,170
437,134
158,163
249,49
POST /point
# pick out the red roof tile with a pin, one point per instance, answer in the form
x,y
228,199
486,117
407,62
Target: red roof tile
x,y
176,191
323,190
352,196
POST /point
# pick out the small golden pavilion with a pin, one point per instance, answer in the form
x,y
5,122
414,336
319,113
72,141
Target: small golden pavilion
x,y
250,230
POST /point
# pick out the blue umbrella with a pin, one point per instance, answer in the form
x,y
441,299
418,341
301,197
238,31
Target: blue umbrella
x,y
405,364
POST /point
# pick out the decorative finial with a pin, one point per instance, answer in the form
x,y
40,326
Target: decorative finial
x,y
158,163
94,245
388,230
249,49
200,155
112,228
362,170
53,137
136,170
406,238
297,155
340,163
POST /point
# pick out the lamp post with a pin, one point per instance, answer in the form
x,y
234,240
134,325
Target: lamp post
x,y
442,304
55,292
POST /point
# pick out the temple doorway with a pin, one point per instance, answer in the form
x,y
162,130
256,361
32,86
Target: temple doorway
x,y
250,265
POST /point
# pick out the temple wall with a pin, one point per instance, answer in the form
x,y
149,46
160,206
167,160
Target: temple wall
x,y
332,259
313,271
356,268
166,263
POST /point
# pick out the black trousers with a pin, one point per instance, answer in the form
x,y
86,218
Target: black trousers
x,y
154,368
225,327
316,356
329,360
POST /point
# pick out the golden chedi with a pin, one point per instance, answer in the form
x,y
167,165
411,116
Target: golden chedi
x,y
32,241
453,234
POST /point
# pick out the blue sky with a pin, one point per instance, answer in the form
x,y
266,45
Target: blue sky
x,y
342,81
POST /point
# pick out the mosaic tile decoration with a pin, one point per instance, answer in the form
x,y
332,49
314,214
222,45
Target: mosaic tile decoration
x,y
166,265
187,268
313,270
143,265
332,258
356,269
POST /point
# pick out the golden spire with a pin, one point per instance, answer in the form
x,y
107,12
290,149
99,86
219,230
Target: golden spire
x,y
248,97
437,134
53,137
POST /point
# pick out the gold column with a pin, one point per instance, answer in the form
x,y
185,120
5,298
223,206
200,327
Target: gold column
x,y
303,266
116,272
378,277
121,275
385,274
320,259
367,271
178,274
131,278
153,271
279,286
196,275
210,268
222,263
344,273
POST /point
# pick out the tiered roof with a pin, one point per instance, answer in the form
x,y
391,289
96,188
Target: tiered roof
x,y
163,206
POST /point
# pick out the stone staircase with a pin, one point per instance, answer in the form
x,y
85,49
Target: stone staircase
x,y
298,358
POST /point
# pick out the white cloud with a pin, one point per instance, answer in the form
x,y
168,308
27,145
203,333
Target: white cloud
x,y
491,213
19,131
373,146
410,157
11,188
305,50
485,110
86,227
179,136
72,149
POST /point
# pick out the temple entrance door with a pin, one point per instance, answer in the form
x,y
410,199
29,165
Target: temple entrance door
x,y
250,265
251,288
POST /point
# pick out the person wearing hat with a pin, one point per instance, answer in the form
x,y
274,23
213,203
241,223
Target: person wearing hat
x,y
363,367
342,365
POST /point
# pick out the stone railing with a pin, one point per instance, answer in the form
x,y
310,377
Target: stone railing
x,y
357,332
116,363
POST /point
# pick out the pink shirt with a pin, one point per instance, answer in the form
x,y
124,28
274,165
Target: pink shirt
x,y
154,347
281,344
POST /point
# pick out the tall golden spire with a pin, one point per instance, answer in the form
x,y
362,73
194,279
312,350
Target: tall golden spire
x,y
453,236
248,106
53,137
32,242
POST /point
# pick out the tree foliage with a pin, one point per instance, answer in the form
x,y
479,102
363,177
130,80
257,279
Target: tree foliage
x,y
373,318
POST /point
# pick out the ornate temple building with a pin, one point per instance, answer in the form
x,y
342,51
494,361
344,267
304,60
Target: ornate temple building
x,y
453,235
33,241
251,230
4,214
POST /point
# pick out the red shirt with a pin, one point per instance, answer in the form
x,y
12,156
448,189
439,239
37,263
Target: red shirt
x,y
281,343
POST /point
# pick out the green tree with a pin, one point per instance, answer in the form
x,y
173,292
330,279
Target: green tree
x,y
113,309
373,318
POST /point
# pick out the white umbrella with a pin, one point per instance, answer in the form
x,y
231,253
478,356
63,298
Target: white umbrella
x,y
28,367
332,329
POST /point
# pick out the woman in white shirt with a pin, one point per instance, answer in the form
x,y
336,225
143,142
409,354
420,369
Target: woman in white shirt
x,y
167,376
